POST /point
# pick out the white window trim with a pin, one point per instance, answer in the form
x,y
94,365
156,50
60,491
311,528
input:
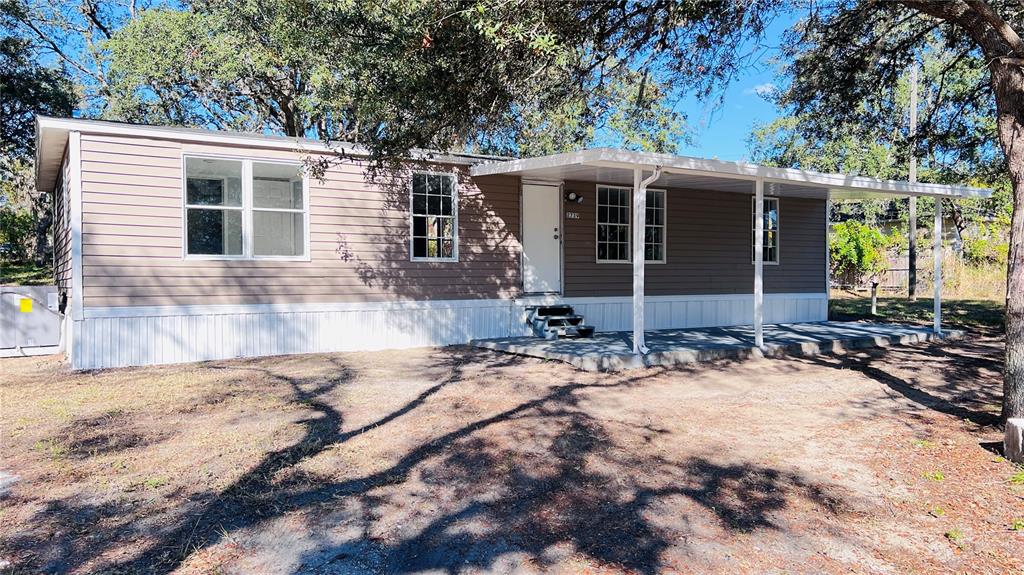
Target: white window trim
x,y
629,225
455,217
246,209
778,230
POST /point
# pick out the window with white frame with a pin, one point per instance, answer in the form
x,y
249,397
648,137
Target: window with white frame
x,y
244,209
434,217
770,249
613,224
654,228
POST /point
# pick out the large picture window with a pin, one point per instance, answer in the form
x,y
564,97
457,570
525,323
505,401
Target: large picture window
x,y
244,209
613,224
434,217
771,230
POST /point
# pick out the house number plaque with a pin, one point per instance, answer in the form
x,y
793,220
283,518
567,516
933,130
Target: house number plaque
x,y
572,215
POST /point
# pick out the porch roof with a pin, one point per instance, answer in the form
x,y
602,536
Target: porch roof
x,y
613,166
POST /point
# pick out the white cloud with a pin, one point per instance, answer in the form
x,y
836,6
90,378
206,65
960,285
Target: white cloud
x,y
762,90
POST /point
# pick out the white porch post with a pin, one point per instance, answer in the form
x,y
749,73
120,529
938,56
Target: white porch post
x,y
759,262
639,222
938,265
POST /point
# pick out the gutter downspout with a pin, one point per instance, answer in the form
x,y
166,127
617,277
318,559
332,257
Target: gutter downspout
x,y
759,262
639,225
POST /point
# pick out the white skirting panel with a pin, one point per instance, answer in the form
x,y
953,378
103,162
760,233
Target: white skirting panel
x,y
116,337
671,312
126,336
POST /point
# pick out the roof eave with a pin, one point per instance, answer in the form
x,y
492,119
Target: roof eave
x,y
839,183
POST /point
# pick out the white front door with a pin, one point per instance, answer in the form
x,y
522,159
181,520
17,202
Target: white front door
x,y
542,244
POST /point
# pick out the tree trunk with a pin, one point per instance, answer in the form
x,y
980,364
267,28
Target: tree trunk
x,y
1008,86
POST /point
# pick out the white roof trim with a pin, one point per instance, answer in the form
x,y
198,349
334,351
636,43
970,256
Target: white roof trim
x,y
49,127
612,158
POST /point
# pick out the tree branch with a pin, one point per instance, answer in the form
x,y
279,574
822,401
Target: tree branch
x,y
1005,31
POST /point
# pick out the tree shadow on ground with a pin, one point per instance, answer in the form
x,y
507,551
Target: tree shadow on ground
x,y
572,491
959,366
563,486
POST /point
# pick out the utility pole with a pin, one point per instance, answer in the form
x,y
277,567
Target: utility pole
x,y
912,226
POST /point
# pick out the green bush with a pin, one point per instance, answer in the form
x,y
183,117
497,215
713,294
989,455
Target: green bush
x,y
857,252
15,234
990,245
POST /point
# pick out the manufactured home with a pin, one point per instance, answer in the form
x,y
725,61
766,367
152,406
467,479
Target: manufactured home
x,y
178,245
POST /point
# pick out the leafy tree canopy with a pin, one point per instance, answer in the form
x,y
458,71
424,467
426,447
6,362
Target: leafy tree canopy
x,y
394,75
956,140
28,88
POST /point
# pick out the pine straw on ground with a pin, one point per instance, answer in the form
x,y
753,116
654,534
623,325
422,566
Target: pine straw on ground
x,y
463,461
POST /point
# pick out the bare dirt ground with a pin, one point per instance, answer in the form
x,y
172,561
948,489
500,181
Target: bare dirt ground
x,y
461,461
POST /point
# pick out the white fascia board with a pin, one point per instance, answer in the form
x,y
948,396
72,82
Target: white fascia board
x,y
50,126
612,158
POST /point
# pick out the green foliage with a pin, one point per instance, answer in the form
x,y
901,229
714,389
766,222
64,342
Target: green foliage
x,y
24,214
489,76
27,88
1017,525
848,67
15,234
989,245
857,252
935,476
216,66
846,106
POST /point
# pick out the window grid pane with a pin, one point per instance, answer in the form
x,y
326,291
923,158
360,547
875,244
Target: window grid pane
x,y
433,216
654,231
613,239
770,247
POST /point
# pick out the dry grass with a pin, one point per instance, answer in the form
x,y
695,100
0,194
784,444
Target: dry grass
x,y
456,461
961,280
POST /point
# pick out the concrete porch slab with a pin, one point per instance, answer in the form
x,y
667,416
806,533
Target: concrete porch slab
x,y
612,351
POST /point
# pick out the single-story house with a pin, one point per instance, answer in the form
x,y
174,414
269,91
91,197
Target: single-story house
x,y
177,245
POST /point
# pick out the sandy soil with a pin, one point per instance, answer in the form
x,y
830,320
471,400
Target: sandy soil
x,y
461,461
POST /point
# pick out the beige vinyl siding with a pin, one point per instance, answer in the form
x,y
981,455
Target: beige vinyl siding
x,y
708,248
62,229
359,230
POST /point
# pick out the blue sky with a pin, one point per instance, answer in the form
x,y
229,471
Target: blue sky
x,y
720,130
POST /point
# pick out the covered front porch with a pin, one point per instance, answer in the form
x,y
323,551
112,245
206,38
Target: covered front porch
x,y
710,259
614,351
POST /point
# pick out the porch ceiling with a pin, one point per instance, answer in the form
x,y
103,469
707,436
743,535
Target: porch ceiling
x,y
612,166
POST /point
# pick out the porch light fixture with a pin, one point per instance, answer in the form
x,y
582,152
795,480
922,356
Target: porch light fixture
x,y
574,197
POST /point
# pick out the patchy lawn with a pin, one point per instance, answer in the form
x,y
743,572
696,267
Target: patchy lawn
x,y
27,274
973,314
454,460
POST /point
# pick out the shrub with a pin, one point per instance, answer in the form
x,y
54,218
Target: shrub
x,y
990,245
15,234
857,252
